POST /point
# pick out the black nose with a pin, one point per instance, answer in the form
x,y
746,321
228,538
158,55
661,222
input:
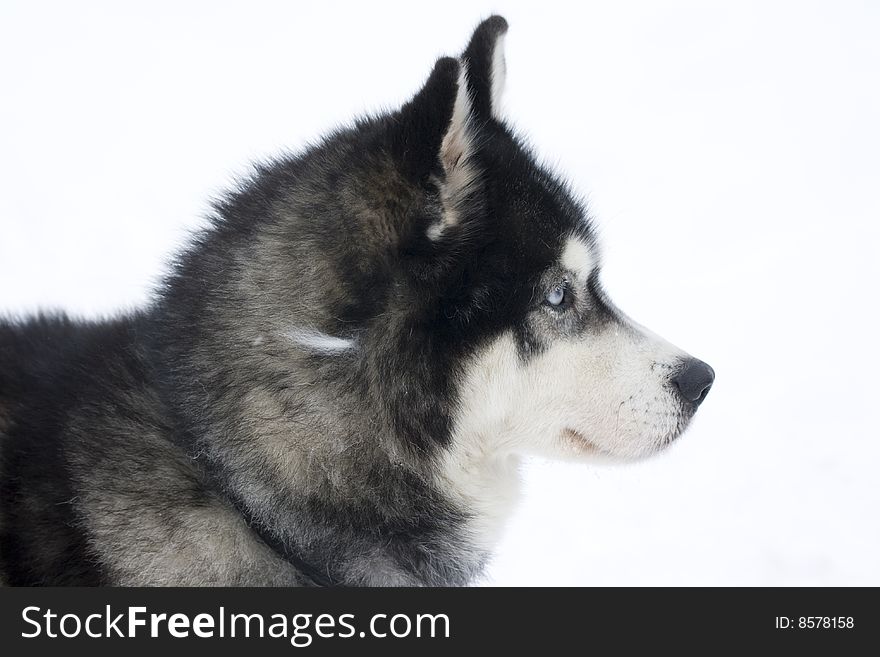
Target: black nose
x,y
694,380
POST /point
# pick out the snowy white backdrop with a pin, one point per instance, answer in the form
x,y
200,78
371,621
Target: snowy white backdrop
x,y
731,154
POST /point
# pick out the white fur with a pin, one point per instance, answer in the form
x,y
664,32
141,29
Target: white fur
x,y
481,468
602,396
498,76
578,258
318,342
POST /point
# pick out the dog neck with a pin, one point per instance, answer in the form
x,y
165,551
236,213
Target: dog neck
x,y
484,481
389,525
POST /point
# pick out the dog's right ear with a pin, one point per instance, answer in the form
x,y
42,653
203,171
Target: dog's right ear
x,y
437,139
437,136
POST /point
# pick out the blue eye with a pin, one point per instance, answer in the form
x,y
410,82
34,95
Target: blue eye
x,y
556,296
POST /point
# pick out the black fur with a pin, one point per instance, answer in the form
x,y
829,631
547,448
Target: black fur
x,y
189,406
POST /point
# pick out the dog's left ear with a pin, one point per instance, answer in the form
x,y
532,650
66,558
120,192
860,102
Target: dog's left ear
x,y
484,61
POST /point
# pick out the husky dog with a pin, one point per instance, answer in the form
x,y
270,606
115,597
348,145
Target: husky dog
x,y
338,380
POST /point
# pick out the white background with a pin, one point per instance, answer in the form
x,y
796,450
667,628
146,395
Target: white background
x,y
731,153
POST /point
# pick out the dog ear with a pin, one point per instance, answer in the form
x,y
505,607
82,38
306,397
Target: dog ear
x,y
479,86
442,123
486,70
438,138
424,120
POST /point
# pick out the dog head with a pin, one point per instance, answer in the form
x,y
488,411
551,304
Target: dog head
x,y
509,269
442,278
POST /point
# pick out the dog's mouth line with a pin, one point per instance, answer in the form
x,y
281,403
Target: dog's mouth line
x,y
580,441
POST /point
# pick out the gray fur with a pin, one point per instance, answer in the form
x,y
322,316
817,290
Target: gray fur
x,y
319,393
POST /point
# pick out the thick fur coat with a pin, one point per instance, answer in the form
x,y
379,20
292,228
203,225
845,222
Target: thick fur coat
x,y
337,381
